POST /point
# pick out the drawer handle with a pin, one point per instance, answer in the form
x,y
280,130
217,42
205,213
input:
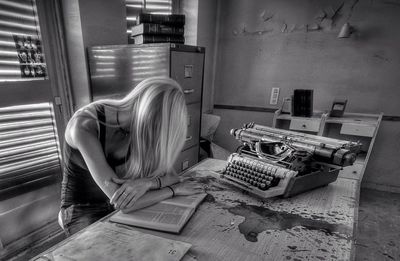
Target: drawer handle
x,y
188,91
188,138
185,165
303,125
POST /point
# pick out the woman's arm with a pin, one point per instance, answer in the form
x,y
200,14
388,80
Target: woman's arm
x,y
131,190
169,179
148,199
81,134
154,196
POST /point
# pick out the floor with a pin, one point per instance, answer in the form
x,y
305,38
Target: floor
x,y
378,233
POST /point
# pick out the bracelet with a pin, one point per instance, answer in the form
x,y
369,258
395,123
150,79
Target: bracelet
x,y
173,192
159,182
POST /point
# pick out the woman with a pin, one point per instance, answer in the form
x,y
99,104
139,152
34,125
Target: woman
x,y
119,153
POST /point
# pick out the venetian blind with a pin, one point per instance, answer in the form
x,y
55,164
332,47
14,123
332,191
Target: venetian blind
x,y
135,7
29,149
18,18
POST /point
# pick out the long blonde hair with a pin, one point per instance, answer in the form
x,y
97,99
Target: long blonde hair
x,y
158,125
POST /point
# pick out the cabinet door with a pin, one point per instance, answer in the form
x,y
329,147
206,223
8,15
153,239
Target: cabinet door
x,y
187,70
193,131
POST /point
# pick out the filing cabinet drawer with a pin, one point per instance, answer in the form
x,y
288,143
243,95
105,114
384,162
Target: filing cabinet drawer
x,y
357,130
187,70
193,132
186,159
305,124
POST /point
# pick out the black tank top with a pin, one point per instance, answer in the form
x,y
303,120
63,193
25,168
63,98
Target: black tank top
x,y
78,185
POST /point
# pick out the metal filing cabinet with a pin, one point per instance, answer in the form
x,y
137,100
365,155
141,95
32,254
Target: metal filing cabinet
x,y
187,64
114,69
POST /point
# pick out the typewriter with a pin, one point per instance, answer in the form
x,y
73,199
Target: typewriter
x,y
274,162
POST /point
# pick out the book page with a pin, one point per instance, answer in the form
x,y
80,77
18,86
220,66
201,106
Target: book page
x,y
107,241
168,215
191,201
162,213
160,216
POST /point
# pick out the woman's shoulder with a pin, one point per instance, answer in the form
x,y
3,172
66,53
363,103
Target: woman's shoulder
x,y
83,123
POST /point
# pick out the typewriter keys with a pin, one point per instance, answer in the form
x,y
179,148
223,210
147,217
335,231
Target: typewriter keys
x,y
252,173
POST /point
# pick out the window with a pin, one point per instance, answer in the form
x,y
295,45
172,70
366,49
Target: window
x,y
135,7
30,159
21,53
29,149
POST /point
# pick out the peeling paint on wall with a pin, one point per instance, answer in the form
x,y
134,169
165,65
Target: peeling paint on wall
x,y
325,19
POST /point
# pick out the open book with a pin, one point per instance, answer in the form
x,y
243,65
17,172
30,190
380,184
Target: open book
x,y
169,215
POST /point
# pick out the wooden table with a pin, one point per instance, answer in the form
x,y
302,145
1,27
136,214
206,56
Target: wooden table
x,y
231,225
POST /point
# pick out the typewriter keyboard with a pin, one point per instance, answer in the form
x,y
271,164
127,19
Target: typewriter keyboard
x,y
253,172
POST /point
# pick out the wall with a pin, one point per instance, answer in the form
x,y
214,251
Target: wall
x,y
288,44
200,30
190,9
89,23
206,36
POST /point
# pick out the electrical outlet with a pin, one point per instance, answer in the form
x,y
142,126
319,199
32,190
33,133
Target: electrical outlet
x,y
274,96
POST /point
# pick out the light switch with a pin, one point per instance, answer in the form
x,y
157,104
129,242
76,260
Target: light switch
x,y
274,96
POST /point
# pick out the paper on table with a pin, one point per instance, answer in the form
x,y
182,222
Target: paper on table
x,y
107,241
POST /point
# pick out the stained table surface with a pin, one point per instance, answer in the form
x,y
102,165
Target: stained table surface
x,y
232,225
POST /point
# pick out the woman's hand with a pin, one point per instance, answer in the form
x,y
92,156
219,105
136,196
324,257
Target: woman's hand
x,y
186,188
129,192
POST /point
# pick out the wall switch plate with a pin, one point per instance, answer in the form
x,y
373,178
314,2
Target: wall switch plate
x,y
274,96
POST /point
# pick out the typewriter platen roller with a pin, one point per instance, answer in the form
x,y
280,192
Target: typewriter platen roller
x,y
273,162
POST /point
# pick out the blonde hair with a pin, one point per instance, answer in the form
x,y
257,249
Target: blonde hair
x,y
158,125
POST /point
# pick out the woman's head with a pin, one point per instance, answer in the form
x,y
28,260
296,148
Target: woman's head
x,y
158,125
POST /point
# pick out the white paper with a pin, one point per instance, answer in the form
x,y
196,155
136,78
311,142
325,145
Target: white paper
x,y
107,241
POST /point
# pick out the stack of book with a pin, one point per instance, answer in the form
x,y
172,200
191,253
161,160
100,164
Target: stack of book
x,y
155,28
